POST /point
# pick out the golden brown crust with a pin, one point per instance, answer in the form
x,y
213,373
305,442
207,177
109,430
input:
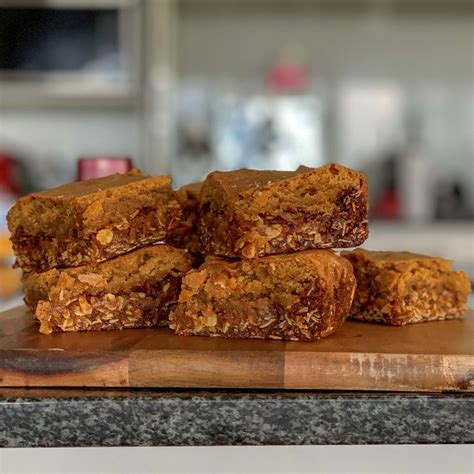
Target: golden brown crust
x,y
92,221
133,290
249,213
399,288
300,296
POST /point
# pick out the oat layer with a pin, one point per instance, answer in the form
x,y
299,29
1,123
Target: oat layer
x,y
138,289
301,297
399,288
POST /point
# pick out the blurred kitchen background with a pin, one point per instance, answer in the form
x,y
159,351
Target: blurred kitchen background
x,y
188,86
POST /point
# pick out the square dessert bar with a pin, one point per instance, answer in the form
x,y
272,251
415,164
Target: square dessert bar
x,y
138,289
249,213
300,297
91,221
186,234
399,288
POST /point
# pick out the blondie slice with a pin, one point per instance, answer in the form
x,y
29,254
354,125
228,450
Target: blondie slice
x,y
249,213
300,297
138,289
186,233
91,221
399,288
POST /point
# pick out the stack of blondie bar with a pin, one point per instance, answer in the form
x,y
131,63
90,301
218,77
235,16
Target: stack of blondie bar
x,y
245,254
266,274
266,235
92,254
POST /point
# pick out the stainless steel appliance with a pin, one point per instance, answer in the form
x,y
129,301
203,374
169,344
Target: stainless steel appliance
x,y
68,50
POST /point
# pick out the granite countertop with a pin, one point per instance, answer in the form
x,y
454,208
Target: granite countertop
x,y
46,417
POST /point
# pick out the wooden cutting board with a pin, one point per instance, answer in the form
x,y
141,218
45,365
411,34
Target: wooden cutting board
x,y
435,356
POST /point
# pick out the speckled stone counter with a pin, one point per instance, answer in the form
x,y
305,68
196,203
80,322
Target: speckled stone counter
x,y
190,418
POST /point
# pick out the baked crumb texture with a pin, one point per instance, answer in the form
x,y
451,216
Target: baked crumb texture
x,y
249,213
186,233
138,289
300,297
92,221
400,288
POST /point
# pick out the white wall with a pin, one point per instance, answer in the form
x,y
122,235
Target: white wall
x,y
359,43
241,42
427,55
56,138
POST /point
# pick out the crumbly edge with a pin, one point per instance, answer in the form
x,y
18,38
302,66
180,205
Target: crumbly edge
x,y
144,228
186,233
109,311
399,293
231,231
140,268
289,302
217,226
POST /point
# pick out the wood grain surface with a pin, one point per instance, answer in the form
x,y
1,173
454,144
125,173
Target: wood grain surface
x,y
436,356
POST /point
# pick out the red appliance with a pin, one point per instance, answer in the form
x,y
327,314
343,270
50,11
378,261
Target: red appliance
x,y
9,179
